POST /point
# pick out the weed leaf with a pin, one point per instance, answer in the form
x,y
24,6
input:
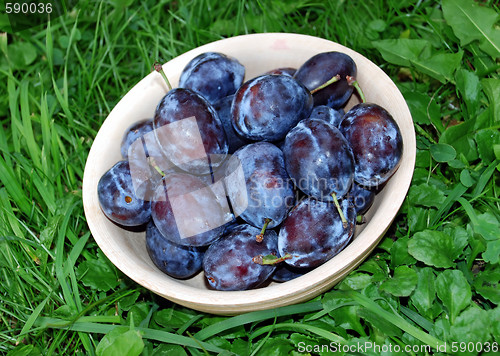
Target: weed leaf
x,y
472,22
454,291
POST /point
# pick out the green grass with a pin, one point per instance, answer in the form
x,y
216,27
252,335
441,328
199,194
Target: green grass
x,y
434,277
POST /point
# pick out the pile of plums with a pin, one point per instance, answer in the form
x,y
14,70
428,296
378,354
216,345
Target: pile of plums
x,y
252,181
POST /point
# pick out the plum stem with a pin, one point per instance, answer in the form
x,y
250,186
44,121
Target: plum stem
x,y
332,80
260,236
360,219
270,259
353,82
159,68
339,209
152,163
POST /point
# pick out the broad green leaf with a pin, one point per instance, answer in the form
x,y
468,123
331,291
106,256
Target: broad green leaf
x,y
356,281
495,322
426,195
469,88
472,22
384,327
488,226
400,51
128,301
440,66
491,87
347,318
378,25
169,350
378,269
399,253
138,312
466,179
418,218
486,140
120,342
24,350
423,158
442,327
492,253
98,274
423,108
344,315
299,340
461,138
239,347
436,248
402,283
424,296
472,325
487,284
220,341
275,346
171,318
454,291
443,152
22,54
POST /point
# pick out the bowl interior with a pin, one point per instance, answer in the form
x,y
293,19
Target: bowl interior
x,y
258,53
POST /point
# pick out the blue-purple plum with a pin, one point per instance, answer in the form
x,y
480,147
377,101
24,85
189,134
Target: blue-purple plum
x,y
267,107
361,197
229,262
285,272
187,212
258,185
283,71
313,232
133,133
319,160
118,197
176,260
190,132
213,75
376,143
321,68
327,114
223,108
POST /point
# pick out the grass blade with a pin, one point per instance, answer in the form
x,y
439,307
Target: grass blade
x,y
91,327
243,319
394,319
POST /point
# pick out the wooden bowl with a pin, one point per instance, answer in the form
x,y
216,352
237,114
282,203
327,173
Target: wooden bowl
x,y
258,53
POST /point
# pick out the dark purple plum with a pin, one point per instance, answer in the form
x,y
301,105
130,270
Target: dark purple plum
x,y
190,132
327,114
284,272
229,264
176,260
319,160
313,232
321,68
223,108
361,197
213,75
376,143
118,198
283,71
267,107
258,186
147,164
133,133
187,212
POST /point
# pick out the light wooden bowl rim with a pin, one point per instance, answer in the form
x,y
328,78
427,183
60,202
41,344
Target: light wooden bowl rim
x,y
285,49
